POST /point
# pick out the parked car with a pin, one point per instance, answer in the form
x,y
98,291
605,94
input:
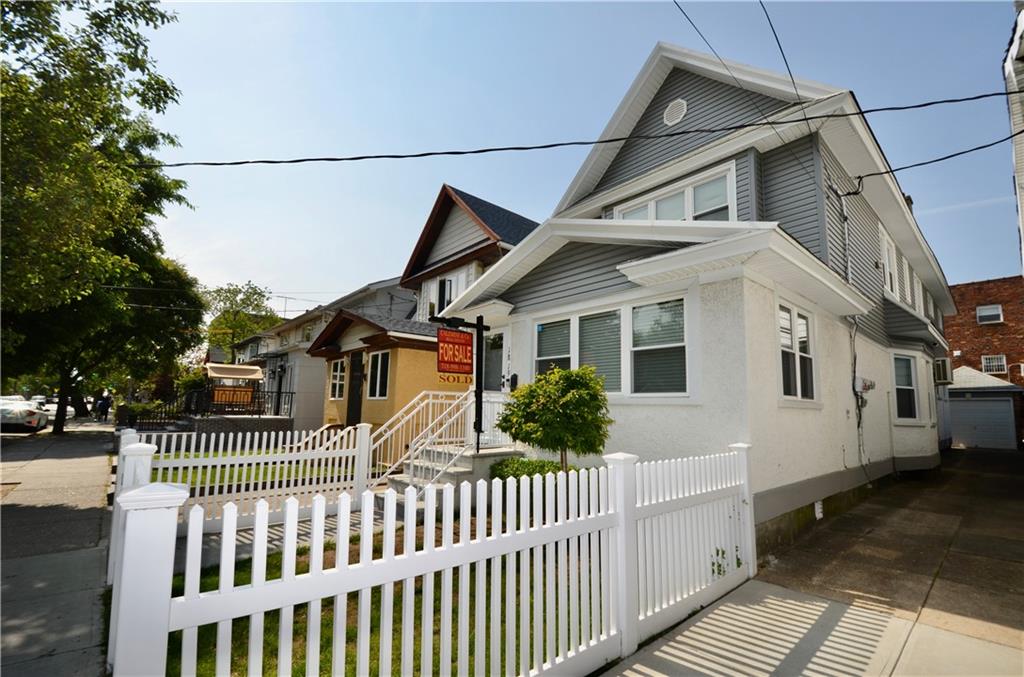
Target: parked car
x,y
22,416
12,398
39,399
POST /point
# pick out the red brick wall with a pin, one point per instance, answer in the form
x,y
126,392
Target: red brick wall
x,y
974,340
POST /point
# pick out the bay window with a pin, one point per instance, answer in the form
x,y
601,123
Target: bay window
x,y
601,347
905,368
659,348
797,357
553,346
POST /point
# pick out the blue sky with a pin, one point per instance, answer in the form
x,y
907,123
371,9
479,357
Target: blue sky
x,y
293,79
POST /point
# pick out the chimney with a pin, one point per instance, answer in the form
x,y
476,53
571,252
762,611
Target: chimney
x,y
910,202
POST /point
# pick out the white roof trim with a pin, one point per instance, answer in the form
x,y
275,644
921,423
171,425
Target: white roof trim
x,y
663,58
770,253
550,236
415,337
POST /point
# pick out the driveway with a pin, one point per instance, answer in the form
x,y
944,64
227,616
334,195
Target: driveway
x,y
926,577
54,523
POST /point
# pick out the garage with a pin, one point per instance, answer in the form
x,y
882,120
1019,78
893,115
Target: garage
x,y
983,422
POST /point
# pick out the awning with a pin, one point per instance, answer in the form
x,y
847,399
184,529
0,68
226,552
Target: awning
x,y
245,372
902,321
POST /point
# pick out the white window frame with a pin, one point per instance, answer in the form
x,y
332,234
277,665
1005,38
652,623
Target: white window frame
x,y
796,309
336,379
978,309
916,388
687,185
930,305
370,387
1004,369
445,293
906,276
918,294
573,353
625,308
307,333
887,253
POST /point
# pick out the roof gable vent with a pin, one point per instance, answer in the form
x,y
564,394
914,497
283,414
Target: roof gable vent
x,y
675,112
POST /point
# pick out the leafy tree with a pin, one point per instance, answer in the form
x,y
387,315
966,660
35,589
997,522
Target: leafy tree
x,y
77,84
563,410
239,310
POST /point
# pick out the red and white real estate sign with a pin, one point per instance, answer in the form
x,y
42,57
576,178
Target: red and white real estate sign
x,y
454,351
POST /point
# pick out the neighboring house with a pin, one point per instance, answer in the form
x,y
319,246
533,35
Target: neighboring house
x,y
253,349
215,355
376,364
1013,74
986,337
299,377
735,286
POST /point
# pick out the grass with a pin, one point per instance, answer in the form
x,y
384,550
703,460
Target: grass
x,y
240,627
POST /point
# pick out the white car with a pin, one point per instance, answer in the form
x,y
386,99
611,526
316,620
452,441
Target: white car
x,y
40,401
22,415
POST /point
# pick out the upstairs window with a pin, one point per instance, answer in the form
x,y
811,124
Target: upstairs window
x,y
989,314
338,379
888,263
444,293
797,358
918,295
307,333
553,346
993,364
906,386
710,196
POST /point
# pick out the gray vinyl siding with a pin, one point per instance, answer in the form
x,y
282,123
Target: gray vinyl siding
x,y
791,194
710,103
746,186
458,233
577,271
862,224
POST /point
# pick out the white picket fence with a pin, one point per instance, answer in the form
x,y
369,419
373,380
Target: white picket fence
x,y
561,573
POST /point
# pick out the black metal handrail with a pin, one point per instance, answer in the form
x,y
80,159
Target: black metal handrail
x,y
212,400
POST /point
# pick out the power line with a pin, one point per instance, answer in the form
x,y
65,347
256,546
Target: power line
x,y
567,144
789,70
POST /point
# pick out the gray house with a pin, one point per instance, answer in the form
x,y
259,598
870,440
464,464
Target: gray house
x,y
732,281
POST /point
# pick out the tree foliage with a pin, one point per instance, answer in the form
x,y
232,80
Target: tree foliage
x,y
563,410
239,311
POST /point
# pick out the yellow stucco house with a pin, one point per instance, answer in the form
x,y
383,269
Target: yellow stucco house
x,y
377,362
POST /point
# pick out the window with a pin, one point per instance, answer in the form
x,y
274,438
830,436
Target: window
x,y
797,360
993,364
553,346
379,370
338,379
989,314
659,348
906,386
444,293
601,346
906,281
888,260
254,349
284,340
307,333
929,306
708,197
918,295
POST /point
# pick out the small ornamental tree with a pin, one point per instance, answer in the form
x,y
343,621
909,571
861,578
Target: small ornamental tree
x,y
563,410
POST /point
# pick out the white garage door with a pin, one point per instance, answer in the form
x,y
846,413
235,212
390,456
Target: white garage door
x,y
986,423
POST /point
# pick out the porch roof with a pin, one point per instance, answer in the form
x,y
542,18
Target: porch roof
x,y
901,321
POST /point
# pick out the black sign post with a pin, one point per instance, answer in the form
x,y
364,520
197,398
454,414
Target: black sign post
x,y
478,361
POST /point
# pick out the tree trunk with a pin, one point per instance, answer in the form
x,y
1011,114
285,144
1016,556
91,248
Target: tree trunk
x,y
78,402
564,457
63,393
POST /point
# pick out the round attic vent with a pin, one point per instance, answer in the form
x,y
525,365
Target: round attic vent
x,y
675,112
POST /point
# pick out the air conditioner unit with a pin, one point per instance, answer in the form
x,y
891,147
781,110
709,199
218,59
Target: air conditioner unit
x,y
943,372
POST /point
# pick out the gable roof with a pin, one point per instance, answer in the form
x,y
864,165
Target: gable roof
x,y
499,227
662,60
340,323
968,378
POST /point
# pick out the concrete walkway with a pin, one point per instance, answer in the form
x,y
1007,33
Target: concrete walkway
x,y
924,578
54,522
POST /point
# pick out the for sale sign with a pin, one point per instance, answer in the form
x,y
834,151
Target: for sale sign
x,y
454,351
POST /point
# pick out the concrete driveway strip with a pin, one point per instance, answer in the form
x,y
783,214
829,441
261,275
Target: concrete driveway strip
x,y
54,521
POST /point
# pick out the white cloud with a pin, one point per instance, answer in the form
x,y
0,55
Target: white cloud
x,y
959,206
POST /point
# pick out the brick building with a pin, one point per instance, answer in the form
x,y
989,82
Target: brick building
x,y
987,333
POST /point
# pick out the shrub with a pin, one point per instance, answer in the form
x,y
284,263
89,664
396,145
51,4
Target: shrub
x,y
563,410
524,467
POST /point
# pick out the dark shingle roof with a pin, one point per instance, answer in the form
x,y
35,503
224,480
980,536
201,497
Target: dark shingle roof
x,y
398,324
509,226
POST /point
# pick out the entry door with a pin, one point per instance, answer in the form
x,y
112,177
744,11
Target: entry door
x,y
354,409
497,360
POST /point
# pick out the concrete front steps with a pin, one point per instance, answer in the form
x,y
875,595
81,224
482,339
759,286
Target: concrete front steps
x,y
467,467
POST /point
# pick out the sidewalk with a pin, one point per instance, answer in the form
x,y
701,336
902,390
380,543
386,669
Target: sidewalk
x,y
54,521
926,577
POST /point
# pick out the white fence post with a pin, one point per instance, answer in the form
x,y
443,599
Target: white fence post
x,y
624,584
138,468
126,438
142,594
749,529
362,469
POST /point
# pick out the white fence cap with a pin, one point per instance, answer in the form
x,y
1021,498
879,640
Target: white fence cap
x,y
158,495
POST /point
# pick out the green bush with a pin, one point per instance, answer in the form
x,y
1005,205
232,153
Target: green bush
x,y
524,467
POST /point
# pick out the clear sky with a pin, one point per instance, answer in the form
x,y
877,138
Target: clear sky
x,y
293,79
